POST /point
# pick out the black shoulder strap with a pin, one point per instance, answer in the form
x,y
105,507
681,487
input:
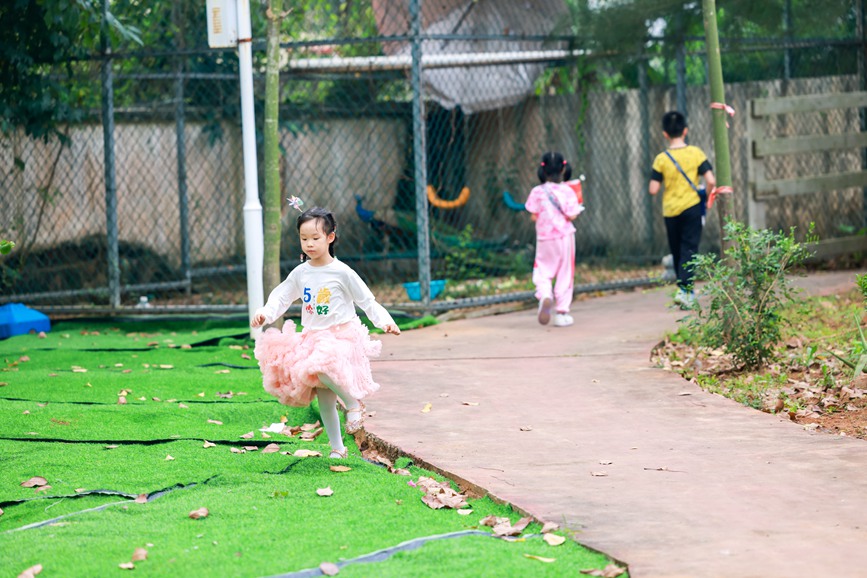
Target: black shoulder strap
x,y
689,180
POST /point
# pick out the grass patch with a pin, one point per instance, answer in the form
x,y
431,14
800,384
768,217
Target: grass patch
x,y
66,425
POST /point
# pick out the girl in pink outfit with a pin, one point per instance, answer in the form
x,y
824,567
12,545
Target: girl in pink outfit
x,y
330,358
554,206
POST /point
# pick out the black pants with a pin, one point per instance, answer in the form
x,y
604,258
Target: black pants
x,y
684,235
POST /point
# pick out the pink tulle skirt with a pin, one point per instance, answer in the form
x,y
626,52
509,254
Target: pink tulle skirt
x,y
291,362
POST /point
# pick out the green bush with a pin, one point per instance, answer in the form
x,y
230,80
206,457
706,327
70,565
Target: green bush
x,y
6,246
861,280
747,290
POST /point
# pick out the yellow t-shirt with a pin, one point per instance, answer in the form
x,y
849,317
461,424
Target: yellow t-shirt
x,y
678,195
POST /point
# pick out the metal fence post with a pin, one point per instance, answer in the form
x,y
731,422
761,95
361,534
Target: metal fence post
x,y
644,115
420,156
113,259
180,128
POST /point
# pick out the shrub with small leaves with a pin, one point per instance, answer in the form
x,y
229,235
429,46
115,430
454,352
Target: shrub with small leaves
x,y
747,289
861,280
6,246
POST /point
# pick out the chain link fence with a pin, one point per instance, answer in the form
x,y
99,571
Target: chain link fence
x,y
155,165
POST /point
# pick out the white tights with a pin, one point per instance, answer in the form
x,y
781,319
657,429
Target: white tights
x,y
328,409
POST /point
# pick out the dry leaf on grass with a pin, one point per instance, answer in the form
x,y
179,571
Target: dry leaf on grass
x,y
34,481
183,406
251,448
237,450
247,436
340,468
200,394
309,436
553,539
329,569
503,526
215,422
169,457
141,499
325,492
610,571
121,400
306,454
200,513
540,558
549,527
42,488
31,572
139,554
440,494
208,444
309,426
126,566
270,449
465,511
1,511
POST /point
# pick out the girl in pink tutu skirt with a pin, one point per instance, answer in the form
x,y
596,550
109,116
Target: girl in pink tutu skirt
x,y
330,357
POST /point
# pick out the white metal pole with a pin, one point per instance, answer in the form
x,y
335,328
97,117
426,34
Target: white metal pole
x,y
254,236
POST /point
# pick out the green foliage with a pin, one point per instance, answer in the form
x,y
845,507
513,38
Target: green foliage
x,y
6,246
747,290
861,281
464,261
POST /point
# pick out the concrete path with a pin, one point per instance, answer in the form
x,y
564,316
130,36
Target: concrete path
x,y
574,425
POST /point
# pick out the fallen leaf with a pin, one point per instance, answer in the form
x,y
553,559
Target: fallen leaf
x,y
163,366
141,499
201,394
112,447
465,511
598,474
474,403
309,436
247,436
325,492
264,435
526,428
245,356
34,481
200,513
41,335
79,490
271,448
306,454
208,444
237,451
121,400
139,554
427,407
309,426
42,488
329,569
610,571
1,511
26,412
251,448
549,527
126,566
215,422
142,398
169,458
553,539
31,572
540,558
222,371
340,468
605,462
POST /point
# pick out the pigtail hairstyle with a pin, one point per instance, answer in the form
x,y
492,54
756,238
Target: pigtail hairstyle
x,y
323,218
553,164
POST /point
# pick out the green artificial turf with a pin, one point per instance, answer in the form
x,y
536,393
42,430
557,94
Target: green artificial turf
x,y
66,425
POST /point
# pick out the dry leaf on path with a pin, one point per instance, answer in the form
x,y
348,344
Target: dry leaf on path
x,y
540,558
553,539
340,468
329,569
610,571
325,492
427,407
549,527
34,481
139,554
473,403
598,474
31,572
200,513
526,428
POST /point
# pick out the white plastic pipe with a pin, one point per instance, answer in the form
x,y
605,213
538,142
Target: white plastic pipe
x,y
254,235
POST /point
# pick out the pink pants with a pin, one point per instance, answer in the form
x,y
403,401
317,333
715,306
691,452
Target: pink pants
x,y
555,258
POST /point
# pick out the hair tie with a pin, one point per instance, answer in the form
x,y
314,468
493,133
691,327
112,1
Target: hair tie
x,y
542,163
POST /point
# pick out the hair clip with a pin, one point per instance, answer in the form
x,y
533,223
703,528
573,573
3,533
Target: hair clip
x,y
295,202
542,163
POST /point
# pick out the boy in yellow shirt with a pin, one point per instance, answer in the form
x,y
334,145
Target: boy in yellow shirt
x,y
678,170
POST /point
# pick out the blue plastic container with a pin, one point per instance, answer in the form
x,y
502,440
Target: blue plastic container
x,y
18,319
413,290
